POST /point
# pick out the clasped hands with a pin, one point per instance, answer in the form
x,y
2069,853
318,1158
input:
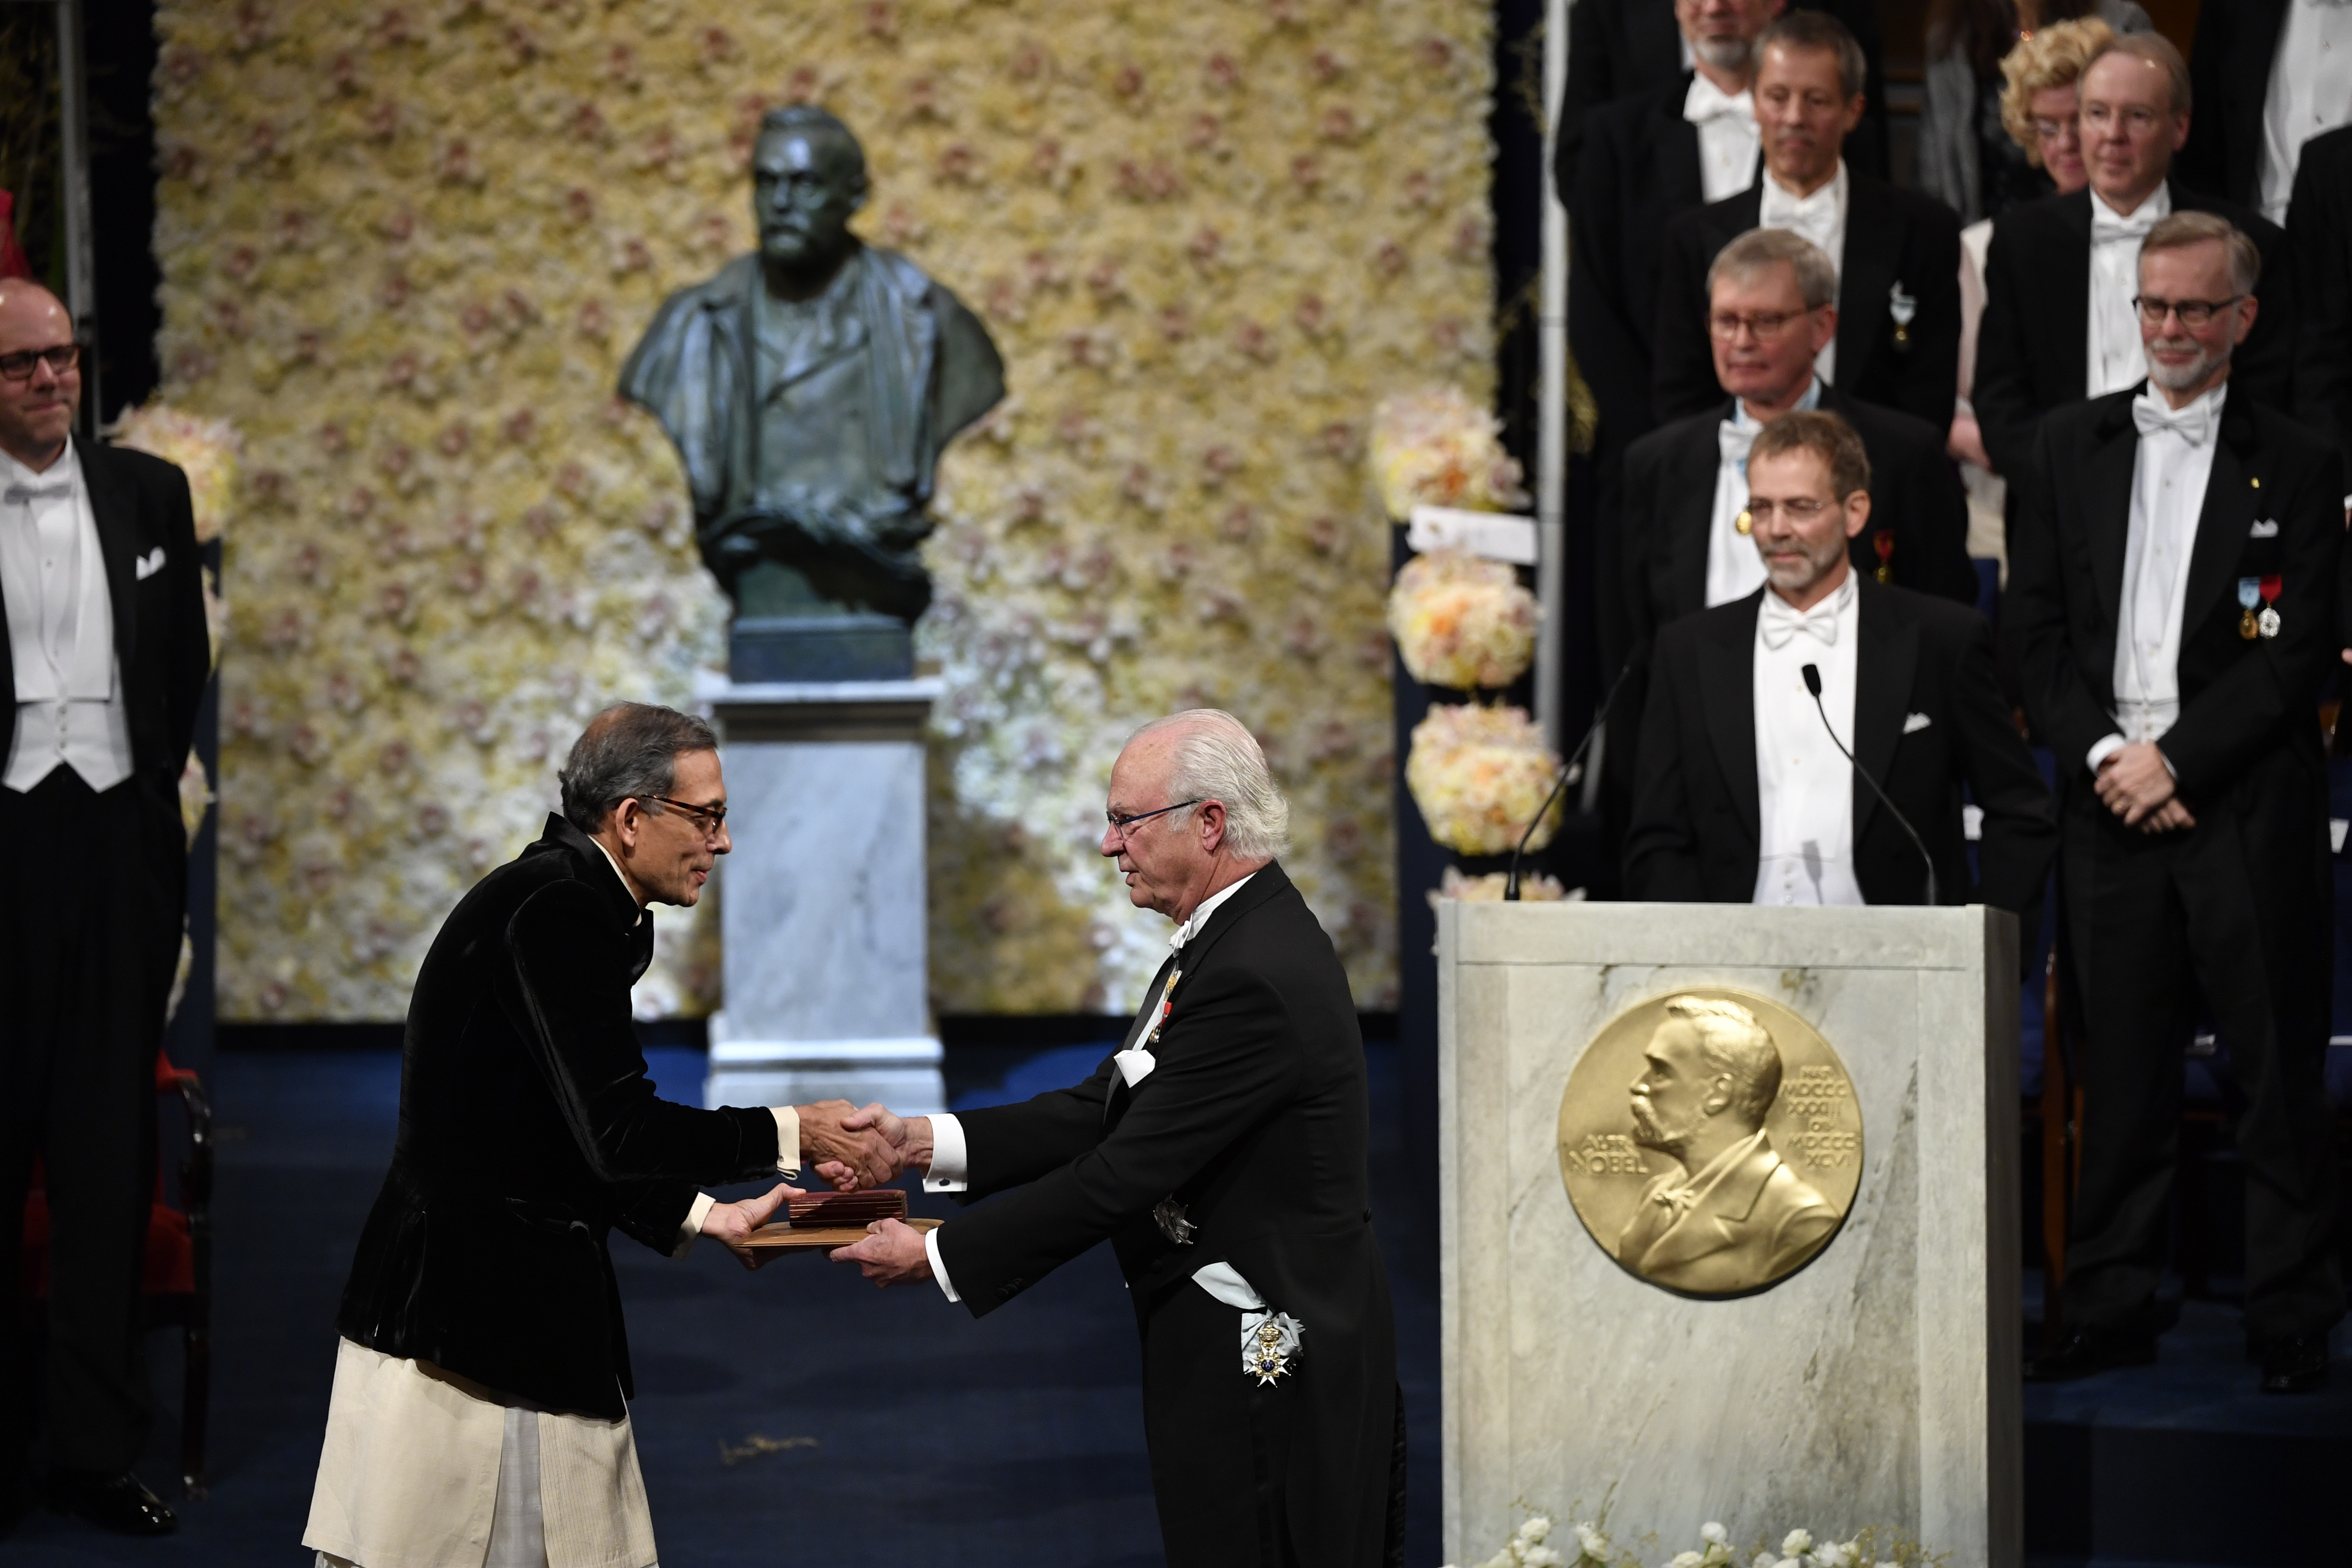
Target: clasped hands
x,y
848,1149
2134,783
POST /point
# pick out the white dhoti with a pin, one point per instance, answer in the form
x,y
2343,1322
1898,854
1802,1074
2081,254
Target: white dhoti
x,y
423,1469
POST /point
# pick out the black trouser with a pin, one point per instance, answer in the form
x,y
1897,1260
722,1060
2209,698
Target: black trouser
x,y
1219,1441
83,980
2232,911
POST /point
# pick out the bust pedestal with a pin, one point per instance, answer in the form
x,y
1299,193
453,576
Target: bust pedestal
x,y
821,903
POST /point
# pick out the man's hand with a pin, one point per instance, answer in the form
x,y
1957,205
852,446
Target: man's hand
x,y
2166,817
733,1223
908,1137
892,1254
846,1156
2134,782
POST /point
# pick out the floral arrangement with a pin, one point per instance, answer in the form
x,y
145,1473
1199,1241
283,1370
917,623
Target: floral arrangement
x,y
406,246
1479,775
1534,888
1461,621
205,450
1798,1549
1438,447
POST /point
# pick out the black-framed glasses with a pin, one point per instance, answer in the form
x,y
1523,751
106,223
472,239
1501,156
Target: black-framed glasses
x,y
1765,326
1119,824
2193,314
1799,510
713,819
19,366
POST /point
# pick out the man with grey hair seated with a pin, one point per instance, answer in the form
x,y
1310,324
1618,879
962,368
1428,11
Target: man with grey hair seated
x,y
1223,1152
483,1364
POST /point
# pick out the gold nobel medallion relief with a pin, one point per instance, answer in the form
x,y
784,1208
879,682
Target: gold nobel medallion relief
x,y
1711,1141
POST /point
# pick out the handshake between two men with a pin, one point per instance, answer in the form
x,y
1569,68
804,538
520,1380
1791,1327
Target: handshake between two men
x,y
849,1150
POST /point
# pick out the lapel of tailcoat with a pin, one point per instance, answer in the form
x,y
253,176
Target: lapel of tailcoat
x,y
1884,663
2222,521
1726,673
2107,484
116,509
1874,258
1688,517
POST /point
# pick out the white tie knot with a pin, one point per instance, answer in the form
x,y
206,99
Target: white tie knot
x,y
1777,624
2193,424
1705,101
1733,439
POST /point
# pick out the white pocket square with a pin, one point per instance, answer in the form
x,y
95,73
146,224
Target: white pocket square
x,y
1135,1065
149,563
2266,529
1914,723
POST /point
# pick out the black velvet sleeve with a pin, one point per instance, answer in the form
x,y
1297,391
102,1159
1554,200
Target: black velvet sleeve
x,y
571,991
1222,1067
652,1213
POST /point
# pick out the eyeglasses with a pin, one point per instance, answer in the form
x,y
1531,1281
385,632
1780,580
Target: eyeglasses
x,y
2052,130
19,366
2138,121
1119,824
711,819
1765,326
2193,314
1800,512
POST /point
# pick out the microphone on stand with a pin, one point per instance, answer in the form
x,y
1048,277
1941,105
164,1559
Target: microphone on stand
x,y
1568,776
1813,685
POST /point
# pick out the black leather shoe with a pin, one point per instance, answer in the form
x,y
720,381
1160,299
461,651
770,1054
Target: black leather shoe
x,y
118,1503
2088,1350
2295,1363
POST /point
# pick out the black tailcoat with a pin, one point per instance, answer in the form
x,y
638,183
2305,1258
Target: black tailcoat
x,y
1255,1121
1620,47
2032,346
1698,829
528,1131
2230,78
2230,918
2319,248
1896,241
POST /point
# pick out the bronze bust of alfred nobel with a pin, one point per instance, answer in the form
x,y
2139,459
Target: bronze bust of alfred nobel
x,y
810,387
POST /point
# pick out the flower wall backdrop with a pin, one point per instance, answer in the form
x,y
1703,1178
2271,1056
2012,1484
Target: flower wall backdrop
x,y
405,247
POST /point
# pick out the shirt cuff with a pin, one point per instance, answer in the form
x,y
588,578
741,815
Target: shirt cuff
x,y
788,1139
703,1204
2103,748
939,1266
950,1167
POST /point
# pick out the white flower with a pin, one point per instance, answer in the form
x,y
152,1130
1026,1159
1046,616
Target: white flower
x,y
1594,1544
1835,1556
1713,1534
1687,1560
1765,1560
1542,1557
1537,1526
1797,1542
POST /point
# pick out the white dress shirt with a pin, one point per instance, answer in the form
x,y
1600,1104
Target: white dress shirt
x,y
1819,217
2310,91
950,1165
1734,569
2168,474
1728,142
2113,359
71,711
1804,786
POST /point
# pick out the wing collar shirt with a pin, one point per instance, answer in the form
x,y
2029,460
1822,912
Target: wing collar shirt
x,y
71,711
1804,786
788,1117
950,1163
2310,93
2115,360
1734,570
1728,142
1819,217
2168,474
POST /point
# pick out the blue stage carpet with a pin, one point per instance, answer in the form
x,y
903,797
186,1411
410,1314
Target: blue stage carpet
x,y
794,1415
799,1415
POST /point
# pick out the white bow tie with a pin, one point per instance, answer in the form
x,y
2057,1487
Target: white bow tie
x,y
1706,101
1778,622
1733,440
2193,424
2107,229
25,495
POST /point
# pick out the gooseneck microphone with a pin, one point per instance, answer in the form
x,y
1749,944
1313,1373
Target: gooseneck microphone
x,y
1568,776
1813,685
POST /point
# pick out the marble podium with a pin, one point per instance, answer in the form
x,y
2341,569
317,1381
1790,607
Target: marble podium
x,y
1875,1386
822,901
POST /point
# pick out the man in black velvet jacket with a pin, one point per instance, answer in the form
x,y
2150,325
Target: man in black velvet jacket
x,y
528,1131
1223,1155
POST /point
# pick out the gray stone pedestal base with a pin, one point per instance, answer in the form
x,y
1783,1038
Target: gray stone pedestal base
x,y
821,903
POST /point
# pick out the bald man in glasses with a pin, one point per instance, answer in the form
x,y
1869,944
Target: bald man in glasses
x,y
106,654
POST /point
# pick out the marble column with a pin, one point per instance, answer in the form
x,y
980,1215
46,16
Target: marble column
x,y
1878,1386
822,902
